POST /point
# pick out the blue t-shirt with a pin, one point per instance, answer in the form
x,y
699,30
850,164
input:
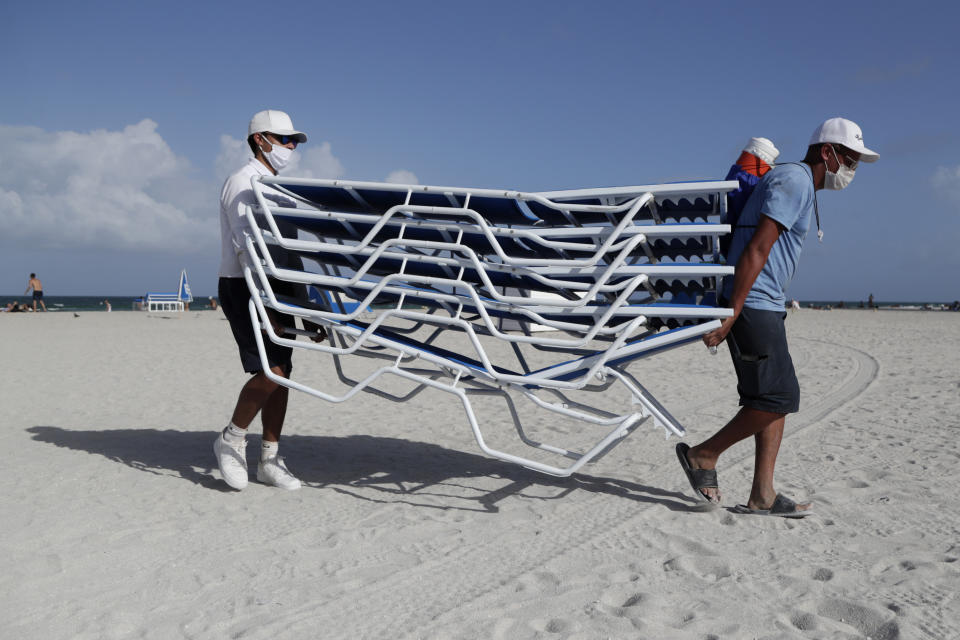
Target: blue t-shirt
x,y
785,195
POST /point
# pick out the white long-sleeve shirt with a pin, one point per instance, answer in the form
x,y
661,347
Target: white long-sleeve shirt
x,y
236,193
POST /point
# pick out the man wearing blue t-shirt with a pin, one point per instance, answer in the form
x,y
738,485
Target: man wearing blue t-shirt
x,y
765,248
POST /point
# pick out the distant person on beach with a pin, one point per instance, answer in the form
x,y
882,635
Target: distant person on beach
x,y
37,287
272,139
765,249
107,304
213,303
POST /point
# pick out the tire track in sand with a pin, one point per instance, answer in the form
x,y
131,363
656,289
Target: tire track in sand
x,y
862,372
856,382
443,584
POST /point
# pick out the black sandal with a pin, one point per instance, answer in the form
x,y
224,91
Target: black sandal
x,y
699,478
782,507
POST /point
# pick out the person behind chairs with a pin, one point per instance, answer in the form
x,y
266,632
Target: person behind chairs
x,y
272,139
765,248
37,287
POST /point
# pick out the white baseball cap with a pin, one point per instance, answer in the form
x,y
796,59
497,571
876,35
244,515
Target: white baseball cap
x,y
845,132
273,121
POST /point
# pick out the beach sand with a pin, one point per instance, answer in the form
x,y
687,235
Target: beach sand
x,y
115,523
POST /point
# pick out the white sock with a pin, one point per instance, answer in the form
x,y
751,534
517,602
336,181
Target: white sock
x,y
234,434
268,450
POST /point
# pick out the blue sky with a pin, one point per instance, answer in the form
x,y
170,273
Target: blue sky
x,y
118,120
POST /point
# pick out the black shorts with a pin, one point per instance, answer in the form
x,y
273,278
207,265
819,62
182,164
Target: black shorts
x,y
234,299
766,379
38,295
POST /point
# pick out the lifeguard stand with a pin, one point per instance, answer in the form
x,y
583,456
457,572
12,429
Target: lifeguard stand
x,y
170,302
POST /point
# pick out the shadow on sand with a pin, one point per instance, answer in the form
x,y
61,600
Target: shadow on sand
x,y
370,468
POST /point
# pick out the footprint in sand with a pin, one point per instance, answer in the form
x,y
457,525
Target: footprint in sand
x,y
823,575
553,625
869,622
633,600
804,621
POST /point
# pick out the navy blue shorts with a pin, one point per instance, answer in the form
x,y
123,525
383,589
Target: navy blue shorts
x,y
234,299
766,379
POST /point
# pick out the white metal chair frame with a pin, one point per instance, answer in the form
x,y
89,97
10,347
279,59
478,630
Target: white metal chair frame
x,y
619,320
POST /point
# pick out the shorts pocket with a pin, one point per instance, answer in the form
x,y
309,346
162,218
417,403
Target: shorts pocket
x,y
753,375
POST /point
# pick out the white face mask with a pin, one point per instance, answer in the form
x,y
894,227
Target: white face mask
x,y
278,157
835,181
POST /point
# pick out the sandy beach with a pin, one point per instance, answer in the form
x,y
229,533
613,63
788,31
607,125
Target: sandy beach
x,y
116,525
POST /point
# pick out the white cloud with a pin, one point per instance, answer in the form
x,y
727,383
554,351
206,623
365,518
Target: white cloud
x,y
402,176
946,180
233,155
312,161
123,189
119,189
890,74
11,203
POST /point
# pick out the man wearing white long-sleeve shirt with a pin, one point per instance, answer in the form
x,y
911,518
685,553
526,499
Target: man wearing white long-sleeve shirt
x,y
272,139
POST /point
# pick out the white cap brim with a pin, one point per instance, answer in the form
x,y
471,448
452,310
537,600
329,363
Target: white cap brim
x,y
866,155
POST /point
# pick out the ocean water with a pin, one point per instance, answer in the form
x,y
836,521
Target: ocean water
x,y
882,304
87,304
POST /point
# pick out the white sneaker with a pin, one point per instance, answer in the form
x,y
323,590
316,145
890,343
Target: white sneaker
x,y
232,460
273,471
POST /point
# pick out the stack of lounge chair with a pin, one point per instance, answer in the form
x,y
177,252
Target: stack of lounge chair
x,y
593,279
